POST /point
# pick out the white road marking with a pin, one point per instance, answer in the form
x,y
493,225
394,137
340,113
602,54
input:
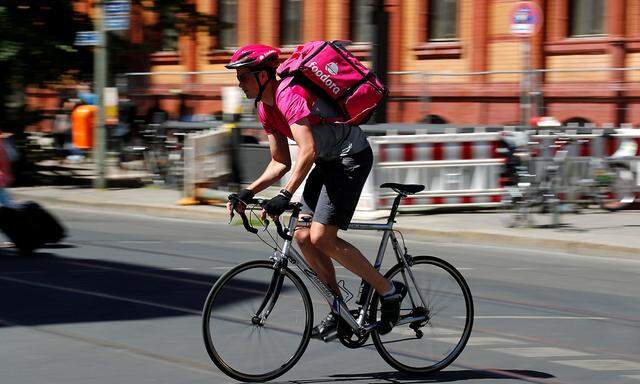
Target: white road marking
x,y
637,377
601,365
476,341
540,352
428,331
538,317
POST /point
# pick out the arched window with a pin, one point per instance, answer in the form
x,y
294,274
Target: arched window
x,y
290,22
228,15
579,121
434,119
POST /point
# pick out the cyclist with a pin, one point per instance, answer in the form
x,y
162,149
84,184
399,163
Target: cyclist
x,y
343,160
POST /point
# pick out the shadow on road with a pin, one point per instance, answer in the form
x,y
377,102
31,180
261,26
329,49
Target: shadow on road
x,y
47,289
438,377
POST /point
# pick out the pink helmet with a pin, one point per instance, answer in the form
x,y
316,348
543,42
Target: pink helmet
x,y
254,56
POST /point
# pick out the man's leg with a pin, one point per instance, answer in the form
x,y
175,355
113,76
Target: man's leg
x,y
319,262
323,267
325,239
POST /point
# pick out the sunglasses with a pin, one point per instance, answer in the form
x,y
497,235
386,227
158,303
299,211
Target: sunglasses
x,y
242,77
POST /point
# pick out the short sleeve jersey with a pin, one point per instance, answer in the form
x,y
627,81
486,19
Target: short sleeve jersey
x,y
293,103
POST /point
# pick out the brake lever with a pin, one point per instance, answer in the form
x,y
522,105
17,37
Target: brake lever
x,y
245,221
281,232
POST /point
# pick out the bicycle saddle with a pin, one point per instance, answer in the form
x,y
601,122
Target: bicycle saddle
x,y
405,189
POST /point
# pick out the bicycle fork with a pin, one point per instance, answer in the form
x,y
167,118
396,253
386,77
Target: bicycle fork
x,y
270,298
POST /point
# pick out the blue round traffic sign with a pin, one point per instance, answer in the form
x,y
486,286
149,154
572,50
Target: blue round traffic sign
x,y
525,19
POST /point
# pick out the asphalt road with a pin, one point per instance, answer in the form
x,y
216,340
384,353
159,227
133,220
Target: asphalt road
x,y
120,302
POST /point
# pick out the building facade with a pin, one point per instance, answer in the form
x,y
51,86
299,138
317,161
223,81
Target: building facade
x,y
452,61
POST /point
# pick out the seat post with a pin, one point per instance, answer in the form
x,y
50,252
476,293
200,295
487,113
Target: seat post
x,y
394,208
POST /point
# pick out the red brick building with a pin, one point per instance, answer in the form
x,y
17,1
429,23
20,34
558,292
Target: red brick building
x,y
456,37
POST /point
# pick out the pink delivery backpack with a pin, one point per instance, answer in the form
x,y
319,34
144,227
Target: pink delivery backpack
x,y
328,67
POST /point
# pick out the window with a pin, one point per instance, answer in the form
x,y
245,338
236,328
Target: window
x,y
228,14
290,22
169,33
586,17
443,20
361,21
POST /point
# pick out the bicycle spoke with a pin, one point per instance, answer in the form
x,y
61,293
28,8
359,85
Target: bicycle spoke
x,y
244,348
436,341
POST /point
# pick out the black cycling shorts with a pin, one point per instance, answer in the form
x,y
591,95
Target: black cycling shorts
x,y
333,188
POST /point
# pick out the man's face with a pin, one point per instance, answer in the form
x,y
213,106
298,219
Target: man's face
x,y
247,81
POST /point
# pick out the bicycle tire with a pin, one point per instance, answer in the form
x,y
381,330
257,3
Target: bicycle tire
x,y
409,352
246,286
622,193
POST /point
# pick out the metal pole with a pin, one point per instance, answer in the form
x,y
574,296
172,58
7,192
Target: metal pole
x,y
525,83
99,81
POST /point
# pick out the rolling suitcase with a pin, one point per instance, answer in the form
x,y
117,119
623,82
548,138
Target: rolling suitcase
x,y
29,226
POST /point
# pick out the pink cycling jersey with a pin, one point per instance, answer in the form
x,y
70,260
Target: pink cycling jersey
x,y
293,103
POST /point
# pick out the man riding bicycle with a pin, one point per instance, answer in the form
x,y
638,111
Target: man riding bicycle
x,y
343,160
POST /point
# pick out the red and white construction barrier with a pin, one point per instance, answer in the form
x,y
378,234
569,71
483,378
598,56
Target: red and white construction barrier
x,y
457,169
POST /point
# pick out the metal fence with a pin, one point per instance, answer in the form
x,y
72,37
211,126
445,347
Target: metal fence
x,y
458,169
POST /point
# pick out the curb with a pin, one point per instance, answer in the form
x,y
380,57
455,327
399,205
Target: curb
x,y
204,212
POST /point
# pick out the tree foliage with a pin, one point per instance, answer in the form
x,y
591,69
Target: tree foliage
x,y
36,45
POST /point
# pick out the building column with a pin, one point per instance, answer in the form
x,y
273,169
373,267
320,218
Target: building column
x,y
313,11
537,46
394,55
558,19
247,22
615,26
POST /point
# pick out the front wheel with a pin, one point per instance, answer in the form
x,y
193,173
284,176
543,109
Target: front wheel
x,y
257,321
440,304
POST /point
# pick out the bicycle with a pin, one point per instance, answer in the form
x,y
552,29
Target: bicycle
x,y
567,185
608,182
531,195
266,301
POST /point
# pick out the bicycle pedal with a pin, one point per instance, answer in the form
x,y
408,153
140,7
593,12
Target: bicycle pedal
x,y
330,337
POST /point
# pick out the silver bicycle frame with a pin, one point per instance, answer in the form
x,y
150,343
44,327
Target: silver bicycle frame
x,y
366,292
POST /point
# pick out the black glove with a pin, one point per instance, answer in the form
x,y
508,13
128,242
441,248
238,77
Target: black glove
x,y
246,195
277,205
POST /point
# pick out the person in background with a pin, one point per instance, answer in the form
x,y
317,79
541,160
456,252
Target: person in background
x,y
62,127
6,176
155,114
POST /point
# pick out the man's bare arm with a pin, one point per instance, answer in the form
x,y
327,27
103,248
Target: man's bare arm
x,y
279,165
306,154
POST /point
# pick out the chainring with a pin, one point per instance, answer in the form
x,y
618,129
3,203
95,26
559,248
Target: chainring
x,y
347,337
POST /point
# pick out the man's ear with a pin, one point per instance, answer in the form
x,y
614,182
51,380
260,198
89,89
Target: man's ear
x,y
264,77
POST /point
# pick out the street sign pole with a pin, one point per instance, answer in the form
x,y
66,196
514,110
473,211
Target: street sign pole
x,y
99,81
525,83
525,20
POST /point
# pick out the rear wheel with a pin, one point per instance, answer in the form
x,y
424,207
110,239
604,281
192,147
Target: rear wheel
x,y
440,304
257,321
621,193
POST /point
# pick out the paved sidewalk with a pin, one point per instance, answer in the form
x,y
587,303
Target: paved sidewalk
x,y
596,233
